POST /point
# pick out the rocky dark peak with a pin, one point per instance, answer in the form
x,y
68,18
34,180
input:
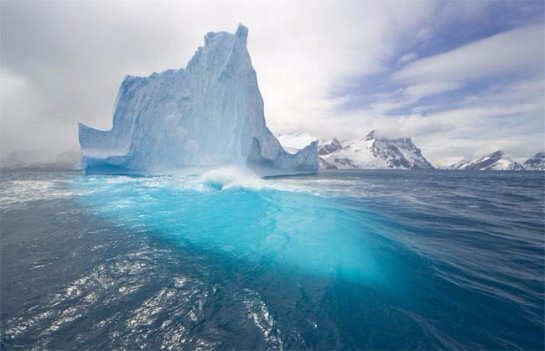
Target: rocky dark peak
x,y
330,146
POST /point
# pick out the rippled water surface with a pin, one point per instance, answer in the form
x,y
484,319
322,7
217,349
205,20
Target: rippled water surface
x,y
349,260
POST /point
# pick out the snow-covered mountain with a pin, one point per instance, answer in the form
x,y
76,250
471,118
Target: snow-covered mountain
x,y
496,161
371,152
374,152
209,114
536,162
326,147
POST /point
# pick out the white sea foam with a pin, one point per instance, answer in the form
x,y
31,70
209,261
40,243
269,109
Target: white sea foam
x,y
19,192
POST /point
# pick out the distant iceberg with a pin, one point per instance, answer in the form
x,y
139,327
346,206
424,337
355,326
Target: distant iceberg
x,y
209,114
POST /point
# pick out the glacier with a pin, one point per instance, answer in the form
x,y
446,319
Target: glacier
x,y
209,114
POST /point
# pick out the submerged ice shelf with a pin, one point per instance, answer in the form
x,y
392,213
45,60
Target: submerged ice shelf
x,y
206,115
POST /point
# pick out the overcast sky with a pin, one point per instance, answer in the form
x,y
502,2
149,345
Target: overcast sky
x,y
461,78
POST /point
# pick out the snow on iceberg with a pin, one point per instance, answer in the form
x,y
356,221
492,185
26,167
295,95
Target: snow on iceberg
x,y
209,114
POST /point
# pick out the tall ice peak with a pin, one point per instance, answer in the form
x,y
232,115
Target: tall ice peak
x,y
207,115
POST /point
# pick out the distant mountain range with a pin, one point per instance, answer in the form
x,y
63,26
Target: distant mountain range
x,y
498,161
370,152
376,152
494,161
536,162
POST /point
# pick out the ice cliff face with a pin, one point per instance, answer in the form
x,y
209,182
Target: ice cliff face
x,y
372,152
209,114
496,161
536,162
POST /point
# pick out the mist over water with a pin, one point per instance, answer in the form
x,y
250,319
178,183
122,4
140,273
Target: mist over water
x,y
222,259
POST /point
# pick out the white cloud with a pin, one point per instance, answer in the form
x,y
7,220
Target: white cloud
x,y
507,115
505,53
410,95
408,57
423,34
510,118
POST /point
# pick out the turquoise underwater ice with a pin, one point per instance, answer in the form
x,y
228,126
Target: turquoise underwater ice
x,y
247,222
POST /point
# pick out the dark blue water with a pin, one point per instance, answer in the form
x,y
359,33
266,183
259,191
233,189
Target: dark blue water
x,y
344,260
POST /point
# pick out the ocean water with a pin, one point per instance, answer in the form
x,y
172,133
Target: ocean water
x,y
220,260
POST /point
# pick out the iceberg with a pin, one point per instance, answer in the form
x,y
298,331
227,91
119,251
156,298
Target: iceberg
x,y
208,114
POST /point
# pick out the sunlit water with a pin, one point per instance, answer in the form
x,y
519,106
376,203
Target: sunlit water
x,y
350,260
